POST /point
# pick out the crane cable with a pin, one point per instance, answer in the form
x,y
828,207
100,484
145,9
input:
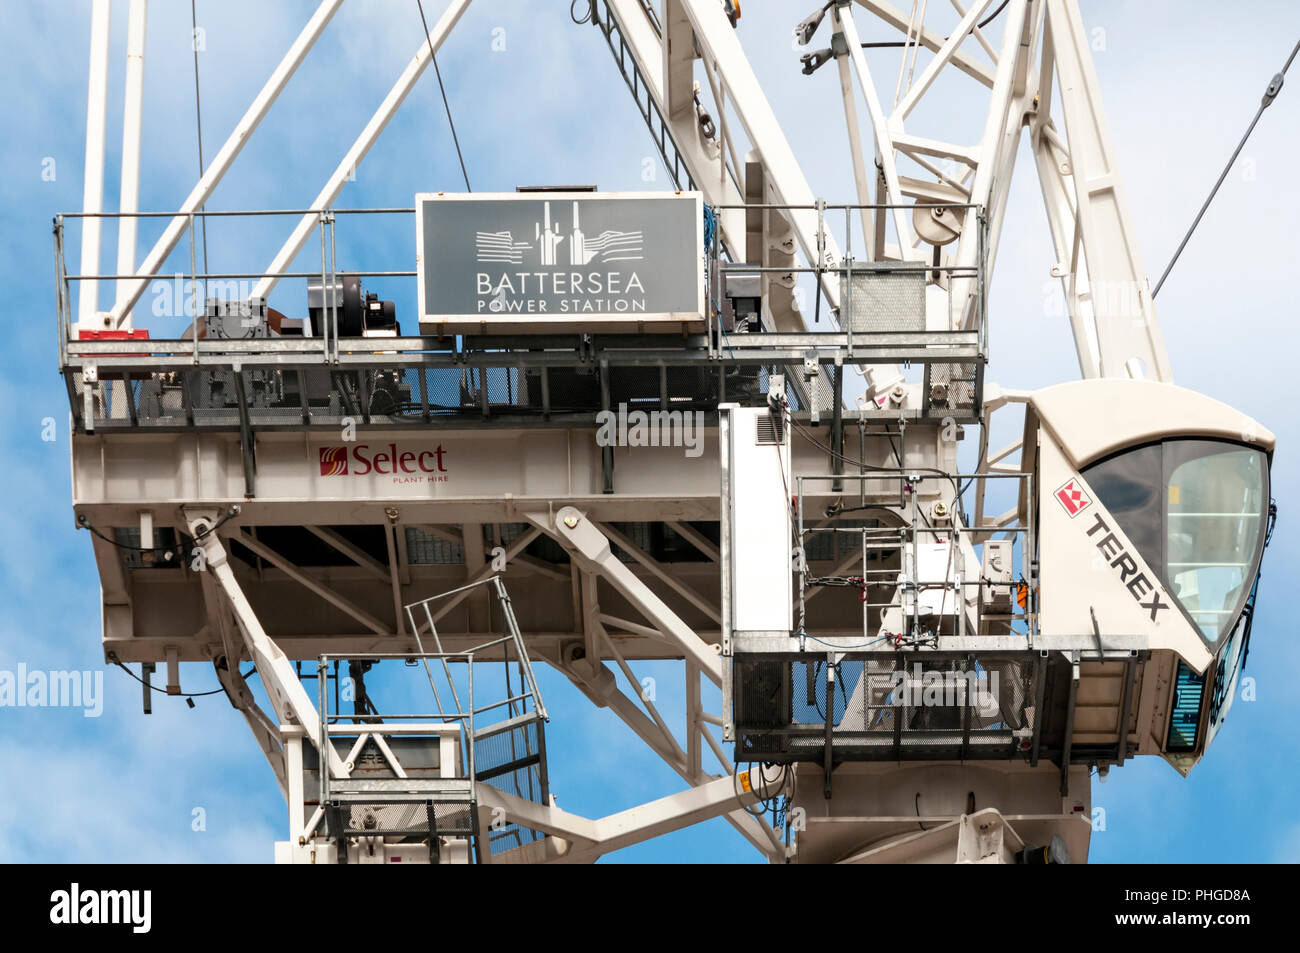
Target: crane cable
x,y
445,105
1270,93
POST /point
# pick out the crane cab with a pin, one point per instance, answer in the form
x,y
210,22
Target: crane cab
x,y
1152,511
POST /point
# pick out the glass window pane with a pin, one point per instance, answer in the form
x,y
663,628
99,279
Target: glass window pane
x,y
1215,517
1129,486
1195,510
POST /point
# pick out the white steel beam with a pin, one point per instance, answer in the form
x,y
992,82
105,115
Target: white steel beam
x,y
651,54
92,198
860,179
601,687
354,156
942,57
977,33
297,575
1123,312
265,731
589,839
395,575
353,552
658,571
634,628
1000,138
929,39
221,163
783,175
880,129
133,107
585,541
693,536
289,699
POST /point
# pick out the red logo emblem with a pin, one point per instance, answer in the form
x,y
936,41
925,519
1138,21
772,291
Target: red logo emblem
x,y
333,461
1072,497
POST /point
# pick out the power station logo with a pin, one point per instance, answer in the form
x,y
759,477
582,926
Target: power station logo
x,y
1073,499
610,245
404,466
559,270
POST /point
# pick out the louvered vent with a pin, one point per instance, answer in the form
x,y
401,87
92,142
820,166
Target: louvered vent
x,y
769,430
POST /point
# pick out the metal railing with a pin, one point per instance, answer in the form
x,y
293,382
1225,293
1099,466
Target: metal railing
x,y
506,724
291,381
900,500
965,284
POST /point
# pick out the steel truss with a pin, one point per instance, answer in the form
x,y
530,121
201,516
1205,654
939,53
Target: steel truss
x,y
295,719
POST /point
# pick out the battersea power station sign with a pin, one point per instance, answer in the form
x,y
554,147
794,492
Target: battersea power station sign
x,y
555,262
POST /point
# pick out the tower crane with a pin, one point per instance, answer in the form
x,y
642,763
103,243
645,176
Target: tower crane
x,y
906,673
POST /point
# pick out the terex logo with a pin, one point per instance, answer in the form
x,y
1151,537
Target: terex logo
x,y
408,466
1070,496
1139,585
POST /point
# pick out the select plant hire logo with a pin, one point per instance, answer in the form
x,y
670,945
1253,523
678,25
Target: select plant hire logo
x,y
428,465
333,461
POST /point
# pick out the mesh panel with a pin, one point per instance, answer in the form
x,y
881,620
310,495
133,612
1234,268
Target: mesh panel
x,y
496,751
884,301
882,707
635,386
425,549
571,389
449,390
821,392
512,531
952,390
510,759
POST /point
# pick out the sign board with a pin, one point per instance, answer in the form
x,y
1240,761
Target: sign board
x,y
559,262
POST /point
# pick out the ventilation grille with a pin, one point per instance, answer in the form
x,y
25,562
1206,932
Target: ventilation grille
x,y
1185,718
770,430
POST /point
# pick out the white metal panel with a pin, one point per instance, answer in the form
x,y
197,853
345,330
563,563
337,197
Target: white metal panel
x,y
762,586
1094,418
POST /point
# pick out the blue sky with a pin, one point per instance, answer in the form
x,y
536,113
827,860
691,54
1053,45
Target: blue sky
x,y
1180,82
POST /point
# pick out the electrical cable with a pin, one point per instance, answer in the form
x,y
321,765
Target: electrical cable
x,y
84,523
867,466
162,691
864,645
765,805
900,44
1270,93
437,72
